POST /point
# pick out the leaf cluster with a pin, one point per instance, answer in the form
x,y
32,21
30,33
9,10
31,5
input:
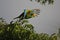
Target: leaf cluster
x,y
22,31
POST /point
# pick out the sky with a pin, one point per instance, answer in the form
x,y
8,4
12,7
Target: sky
x,y
47,22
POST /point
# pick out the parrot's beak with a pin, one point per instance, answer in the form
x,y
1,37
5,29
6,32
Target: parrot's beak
x,y
35,15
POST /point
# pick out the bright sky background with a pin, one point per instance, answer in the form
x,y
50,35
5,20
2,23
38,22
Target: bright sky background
x,y
48,21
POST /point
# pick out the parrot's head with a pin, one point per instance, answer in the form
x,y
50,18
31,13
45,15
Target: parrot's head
x,y
32,13
35,12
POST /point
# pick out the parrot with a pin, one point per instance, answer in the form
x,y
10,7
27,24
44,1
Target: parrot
x,y
27,14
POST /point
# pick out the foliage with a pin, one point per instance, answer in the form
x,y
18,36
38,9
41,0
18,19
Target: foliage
x,y
44,1
24,31
59,32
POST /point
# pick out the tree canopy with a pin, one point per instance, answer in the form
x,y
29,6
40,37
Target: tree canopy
x,y
22,31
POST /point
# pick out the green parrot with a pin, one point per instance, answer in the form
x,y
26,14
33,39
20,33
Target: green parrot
x,y
27,14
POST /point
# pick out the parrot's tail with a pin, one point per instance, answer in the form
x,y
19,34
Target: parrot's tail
x,y
19,19
15,18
